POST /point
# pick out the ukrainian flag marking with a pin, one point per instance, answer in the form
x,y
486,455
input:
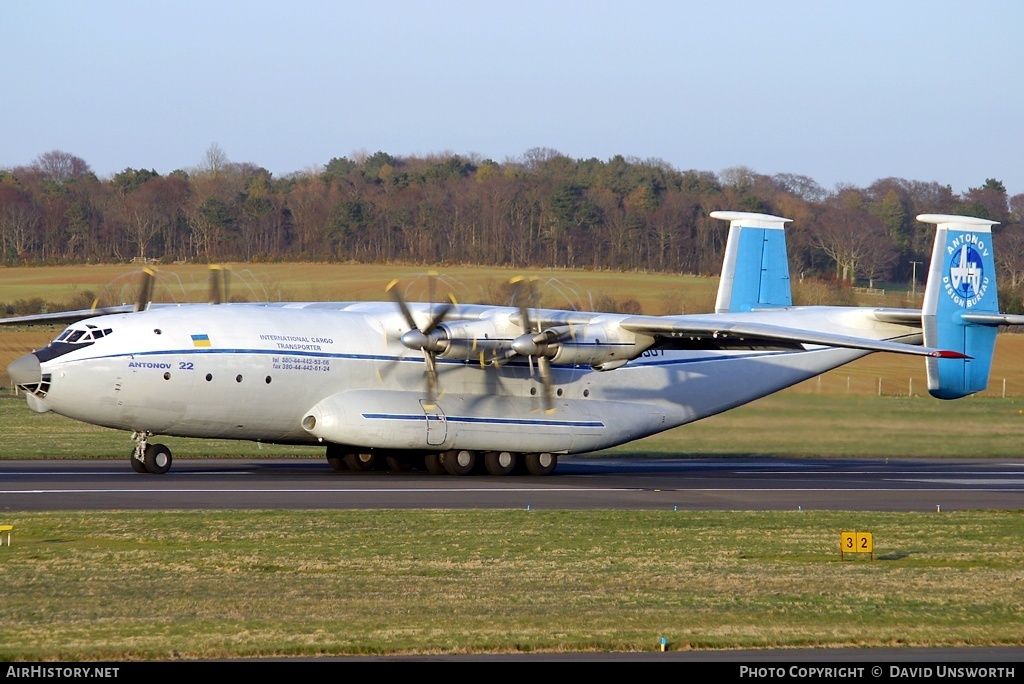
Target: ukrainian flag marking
x,y
200,340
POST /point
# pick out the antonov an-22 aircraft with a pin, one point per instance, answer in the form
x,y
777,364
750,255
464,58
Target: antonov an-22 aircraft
x,y
463,388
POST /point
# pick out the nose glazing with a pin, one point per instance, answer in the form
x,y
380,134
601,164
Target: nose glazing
x,y
25,370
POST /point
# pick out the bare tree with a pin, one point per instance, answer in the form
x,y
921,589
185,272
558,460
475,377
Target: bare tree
x,y
215,161
60,166
1010,255
852,239
19,221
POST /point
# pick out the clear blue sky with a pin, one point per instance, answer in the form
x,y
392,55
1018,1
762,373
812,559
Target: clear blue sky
x,y
843,92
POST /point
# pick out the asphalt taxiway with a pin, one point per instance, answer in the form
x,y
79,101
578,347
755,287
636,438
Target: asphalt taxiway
x,y
743,483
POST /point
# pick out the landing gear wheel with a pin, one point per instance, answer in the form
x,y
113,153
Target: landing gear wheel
x,y
541,464
137,465
398,464
500,462
434,464
459,461
158,459
336,457
359,462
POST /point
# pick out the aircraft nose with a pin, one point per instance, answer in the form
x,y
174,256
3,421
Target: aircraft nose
x,y
25,370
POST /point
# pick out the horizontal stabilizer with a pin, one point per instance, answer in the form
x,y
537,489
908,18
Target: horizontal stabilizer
x,y
992,319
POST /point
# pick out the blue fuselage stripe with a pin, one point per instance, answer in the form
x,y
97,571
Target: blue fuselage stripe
x,y
416,358
486,421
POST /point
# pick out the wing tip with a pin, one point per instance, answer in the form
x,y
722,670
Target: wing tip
x,y
949,354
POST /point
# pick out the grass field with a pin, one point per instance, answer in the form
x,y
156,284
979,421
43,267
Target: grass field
x,y
657,293
190,585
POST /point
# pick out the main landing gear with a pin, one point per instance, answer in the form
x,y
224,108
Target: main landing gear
x,y
458,462
149,458
499,463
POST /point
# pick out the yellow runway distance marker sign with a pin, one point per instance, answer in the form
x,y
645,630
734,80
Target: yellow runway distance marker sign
x,y
856,542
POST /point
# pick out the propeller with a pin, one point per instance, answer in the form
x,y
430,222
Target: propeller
x,y
430,339
145,289
536,343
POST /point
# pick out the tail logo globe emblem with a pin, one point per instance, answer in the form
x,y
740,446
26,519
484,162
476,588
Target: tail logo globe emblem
x,y
966,283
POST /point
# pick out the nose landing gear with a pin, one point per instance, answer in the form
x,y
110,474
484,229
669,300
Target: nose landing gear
x,y
149,458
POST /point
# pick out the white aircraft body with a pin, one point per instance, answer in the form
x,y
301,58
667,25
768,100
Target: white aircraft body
x,y
463,388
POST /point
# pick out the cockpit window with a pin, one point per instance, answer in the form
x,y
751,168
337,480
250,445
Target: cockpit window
x,y
73,336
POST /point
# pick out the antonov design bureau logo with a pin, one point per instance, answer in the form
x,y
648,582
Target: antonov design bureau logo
x,y
965,282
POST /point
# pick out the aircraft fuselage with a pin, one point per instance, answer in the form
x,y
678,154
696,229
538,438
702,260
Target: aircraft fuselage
x,y
315,375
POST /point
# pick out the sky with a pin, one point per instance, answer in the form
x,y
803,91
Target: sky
x,y
842,92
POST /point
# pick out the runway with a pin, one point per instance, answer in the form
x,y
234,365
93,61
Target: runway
x,y
742,483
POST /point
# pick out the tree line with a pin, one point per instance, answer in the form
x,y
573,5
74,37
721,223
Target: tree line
x,y
542,209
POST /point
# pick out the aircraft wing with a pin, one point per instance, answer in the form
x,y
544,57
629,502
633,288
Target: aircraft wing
x,y
66,316
672,326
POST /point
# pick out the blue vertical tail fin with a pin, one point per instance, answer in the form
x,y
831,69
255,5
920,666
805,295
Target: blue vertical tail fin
x,y
755,274
961,307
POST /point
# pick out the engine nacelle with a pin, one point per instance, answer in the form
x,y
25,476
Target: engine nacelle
x,y
602,346
467,340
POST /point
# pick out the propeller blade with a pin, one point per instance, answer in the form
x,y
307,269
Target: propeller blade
x,y
431,285
523,297
438,317
145,289
216,273
545,377
400,300
431,377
